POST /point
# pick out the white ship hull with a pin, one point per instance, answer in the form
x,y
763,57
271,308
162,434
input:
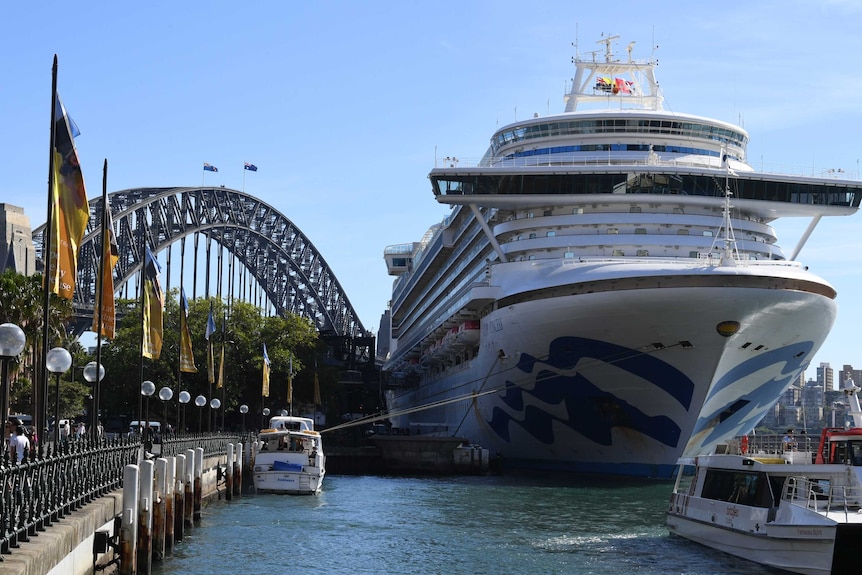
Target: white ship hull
x,y
623,382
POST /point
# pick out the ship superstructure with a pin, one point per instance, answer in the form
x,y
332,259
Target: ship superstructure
x,y
607,293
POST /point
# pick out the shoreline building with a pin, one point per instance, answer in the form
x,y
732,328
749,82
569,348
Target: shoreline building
x,y
16,240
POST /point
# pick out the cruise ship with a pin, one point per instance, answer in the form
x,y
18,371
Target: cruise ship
x,y
606,294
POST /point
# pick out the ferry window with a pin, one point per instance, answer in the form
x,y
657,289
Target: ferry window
x,y
635,209
619,253
569,254
682,232
577,210
551,234
643,253
640,231
707,233
613,230
532,236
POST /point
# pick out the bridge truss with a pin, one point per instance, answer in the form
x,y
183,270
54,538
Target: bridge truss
x,y
281,259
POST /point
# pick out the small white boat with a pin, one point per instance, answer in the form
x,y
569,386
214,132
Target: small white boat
x,y
797,511
290,457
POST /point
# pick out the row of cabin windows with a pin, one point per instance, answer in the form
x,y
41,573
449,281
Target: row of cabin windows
x,y
614,231
632,210
616,253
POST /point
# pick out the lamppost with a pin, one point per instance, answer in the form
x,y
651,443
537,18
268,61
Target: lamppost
x,y
185,397
243,409
215,404
200,401
147,389
265,415
12,341
94,373
58,361
165,394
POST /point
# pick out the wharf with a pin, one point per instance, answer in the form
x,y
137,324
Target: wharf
x,y
406,454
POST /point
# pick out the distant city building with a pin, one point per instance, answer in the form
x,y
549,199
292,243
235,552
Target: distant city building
x,y
824,377
811,401
849,373
16,240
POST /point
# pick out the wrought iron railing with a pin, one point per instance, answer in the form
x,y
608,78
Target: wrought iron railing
x,y
55,480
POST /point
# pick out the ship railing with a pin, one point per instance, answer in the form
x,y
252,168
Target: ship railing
x,y
771,445
603,160
822,495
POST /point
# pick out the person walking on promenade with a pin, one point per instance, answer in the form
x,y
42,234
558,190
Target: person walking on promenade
x,y
19,445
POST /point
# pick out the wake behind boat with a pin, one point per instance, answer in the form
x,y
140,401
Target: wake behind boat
x,y
779,510
290,457
607,294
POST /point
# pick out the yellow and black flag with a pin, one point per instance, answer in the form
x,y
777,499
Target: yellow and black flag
x,y
70,211
265,390
110,256
153,307
187,358
211,327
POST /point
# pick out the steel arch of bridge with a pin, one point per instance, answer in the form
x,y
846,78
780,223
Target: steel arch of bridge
x,y
285,263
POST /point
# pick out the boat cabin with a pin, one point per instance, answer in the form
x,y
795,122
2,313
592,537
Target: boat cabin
x,y
290,423
841,446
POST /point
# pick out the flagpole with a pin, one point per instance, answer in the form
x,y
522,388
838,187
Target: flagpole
x,y
39,392
94,420
141,289
182,319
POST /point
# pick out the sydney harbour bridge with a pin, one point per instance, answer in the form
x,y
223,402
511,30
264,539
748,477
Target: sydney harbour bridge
x,y
272,259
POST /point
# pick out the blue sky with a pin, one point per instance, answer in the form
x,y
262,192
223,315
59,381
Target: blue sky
x,y
343,106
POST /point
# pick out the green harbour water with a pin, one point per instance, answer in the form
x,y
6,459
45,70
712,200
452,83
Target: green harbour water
x,y
492,525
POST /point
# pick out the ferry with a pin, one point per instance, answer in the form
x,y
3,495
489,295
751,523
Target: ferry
x,y
797,511
289,458
617,286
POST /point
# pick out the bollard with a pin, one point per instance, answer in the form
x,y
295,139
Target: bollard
x,y
170,479
129,521
188,481
237,464
159,505
199,465
228,473
180,498
145,518
253,455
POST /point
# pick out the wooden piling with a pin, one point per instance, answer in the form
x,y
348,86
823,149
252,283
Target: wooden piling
x,y
198,482
180,498
188,480
170,480
228,473
237,465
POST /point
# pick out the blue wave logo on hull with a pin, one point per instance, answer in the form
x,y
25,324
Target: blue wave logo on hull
x,y
590,411
744,411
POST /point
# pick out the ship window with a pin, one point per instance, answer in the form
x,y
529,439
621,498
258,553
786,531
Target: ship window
x,y
613,230
692,254
682,232
635,209
532,236
550,234
619,253
643,253
577,210
529,214
531,258
640,231
707,233
678,211
569,254
549,212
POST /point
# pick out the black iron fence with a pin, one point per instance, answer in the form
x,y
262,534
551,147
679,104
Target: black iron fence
x,y
55,480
